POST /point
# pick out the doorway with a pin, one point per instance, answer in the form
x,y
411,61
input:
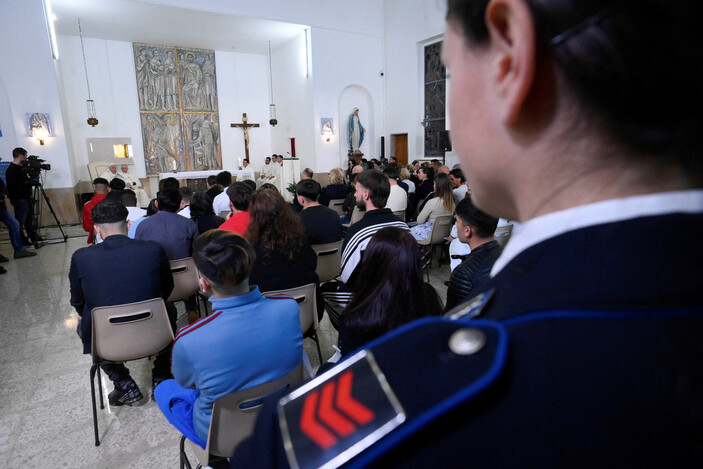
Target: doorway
x,y
399,148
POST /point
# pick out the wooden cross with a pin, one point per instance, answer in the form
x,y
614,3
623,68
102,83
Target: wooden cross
x,y
245,127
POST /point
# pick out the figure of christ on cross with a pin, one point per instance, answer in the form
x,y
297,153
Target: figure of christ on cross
x,y
245,127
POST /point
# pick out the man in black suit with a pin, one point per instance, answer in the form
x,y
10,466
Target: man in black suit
x,y
117,271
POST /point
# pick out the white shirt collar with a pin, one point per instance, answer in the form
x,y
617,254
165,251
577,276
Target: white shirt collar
x,y
553,224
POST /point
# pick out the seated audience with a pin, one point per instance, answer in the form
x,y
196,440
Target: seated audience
x,y
118,271
202,214
238,219
441,204
117,185
390,291
213,188
459,187
321,224
284,259
169,183
475,228
221,202
128,198
186,196
405,178
398,198
336,189
248,341
100,188
372,189
150,210
426,177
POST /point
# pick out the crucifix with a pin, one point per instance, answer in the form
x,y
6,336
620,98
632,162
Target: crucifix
x,y
245,127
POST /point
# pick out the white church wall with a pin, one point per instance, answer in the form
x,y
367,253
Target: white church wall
x,y
360,16
409,26
241,84
30,84
347,74
293,95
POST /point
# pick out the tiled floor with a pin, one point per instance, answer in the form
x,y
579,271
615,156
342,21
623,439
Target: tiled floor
x,y
45,411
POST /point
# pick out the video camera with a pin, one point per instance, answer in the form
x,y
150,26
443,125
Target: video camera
x,y
33,167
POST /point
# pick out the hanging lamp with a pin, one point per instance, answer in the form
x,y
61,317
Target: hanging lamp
x,y
272,107
90,104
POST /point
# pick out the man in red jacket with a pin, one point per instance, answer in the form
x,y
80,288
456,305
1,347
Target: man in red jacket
x,y
100,189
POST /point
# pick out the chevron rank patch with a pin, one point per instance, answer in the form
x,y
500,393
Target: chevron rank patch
x,y
337,415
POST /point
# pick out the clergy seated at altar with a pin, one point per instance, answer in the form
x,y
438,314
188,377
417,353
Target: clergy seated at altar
x,y
265,175
133,183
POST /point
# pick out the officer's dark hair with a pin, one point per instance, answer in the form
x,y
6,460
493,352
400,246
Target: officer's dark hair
x,y
101,184
458,173
429,171
201,204
19,151
169,200
389,289
309,188
392,170
151,208
117,184
109,211
484,224
186,194
212,180
223,257
611,55
224,178
240,195
250,183
128,198
169,183
377,184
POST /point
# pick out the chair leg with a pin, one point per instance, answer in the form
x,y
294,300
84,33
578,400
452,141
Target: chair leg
x,y
100,388
184,458
317,342
95,410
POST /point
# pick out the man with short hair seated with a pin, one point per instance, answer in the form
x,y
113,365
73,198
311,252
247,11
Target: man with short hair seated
x,y
247,341
321,224
475,228
118,271
238,219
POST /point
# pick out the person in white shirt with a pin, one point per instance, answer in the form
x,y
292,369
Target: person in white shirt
x,y
221,202
398,198
459,186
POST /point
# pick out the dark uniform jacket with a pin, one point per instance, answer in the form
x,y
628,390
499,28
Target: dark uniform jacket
x,y
586,352
471,273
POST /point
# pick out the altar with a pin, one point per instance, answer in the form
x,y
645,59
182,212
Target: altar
x,y
241,174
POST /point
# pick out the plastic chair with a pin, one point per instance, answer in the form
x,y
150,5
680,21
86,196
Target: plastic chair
x,y
233,418
336,205
356,216
441,228
329,260
400,214
126,332
307,303
503,234
185,281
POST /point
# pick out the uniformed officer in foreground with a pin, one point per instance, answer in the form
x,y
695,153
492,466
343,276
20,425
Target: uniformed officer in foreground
x,y
580,119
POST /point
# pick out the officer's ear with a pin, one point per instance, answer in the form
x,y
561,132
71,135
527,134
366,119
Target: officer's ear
x,y
468,231
204,285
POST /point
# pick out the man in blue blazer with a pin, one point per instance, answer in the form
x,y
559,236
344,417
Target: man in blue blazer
x,y
117,271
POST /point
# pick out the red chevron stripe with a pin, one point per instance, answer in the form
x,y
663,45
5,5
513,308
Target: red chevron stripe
x,y
196,325
350,406
310,426
330,416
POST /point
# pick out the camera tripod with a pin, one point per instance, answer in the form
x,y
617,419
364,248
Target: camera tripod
x,y
37,195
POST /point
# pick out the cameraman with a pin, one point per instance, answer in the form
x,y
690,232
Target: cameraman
x,y
19,189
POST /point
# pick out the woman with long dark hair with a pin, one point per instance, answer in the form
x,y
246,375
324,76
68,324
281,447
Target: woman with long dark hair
x,y
390,291
202,213
284,259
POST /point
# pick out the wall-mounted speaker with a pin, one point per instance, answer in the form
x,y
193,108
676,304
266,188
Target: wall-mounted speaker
x,y
445,142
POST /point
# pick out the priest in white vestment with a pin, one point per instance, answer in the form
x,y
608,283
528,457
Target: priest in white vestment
x,y
110,173
132,182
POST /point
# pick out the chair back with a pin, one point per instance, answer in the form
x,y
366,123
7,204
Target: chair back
x,y
185,279
130,331
357,215
336,205
305,296
400,214
234,415
329,260
441,228
503,233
